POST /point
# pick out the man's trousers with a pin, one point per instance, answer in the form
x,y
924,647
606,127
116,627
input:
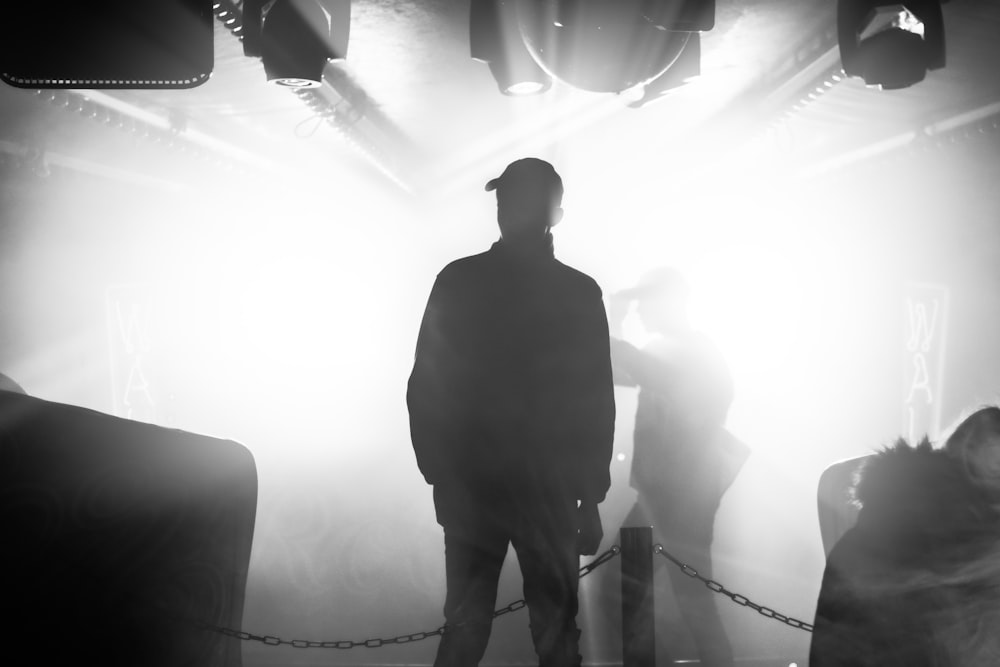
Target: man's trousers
x,y
479,524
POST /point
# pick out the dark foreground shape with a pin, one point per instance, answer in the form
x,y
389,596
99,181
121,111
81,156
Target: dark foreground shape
x,y
118,535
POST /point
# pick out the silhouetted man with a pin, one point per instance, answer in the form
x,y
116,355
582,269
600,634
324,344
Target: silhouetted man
x,y
684,459
511,406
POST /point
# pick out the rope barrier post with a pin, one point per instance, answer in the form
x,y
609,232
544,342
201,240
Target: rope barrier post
x,y
638,648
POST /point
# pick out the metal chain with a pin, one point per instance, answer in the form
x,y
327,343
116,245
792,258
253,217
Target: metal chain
x,y
304,643
584,571
271,640
600,560
741,600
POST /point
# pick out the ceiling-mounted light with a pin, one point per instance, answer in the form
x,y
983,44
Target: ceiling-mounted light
x,y
890,44
107,44
518,77
296,39
610,46
495,39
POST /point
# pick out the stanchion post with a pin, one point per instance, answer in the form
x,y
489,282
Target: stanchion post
x,y
638,647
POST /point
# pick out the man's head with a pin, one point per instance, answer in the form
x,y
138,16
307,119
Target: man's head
x,y
661,300
529,200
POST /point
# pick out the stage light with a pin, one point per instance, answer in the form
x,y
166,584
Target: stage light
x,y
527,87
494,39
890,45
296,39
595,45
107,44
519,78
602,46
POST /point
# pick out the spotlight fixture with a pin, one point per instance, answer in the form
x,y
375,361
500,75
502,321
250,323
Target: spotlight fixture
x,y
596,45
890,45
295,39
495,39
107,44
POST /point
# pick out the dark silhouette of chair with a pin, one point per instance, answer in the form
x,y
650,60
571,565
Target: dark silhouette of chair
x,y
837,510
122,540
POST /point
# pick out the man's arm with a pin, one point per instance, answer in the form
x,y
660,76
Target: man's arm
x,y
428,394
599,430
634,367
691,372
597,408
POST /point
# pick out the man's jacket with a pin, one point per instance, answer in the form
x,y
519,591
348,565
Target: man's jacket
x,y
511,381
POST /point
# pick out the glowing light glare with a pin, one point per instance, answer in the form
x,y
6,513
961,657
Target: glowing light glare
x,y
633,94
289,328
535,127
292,82
773,310
526,88
892,16
907,21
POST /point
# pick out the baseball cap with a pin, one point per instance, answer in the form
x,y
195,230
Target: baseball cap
x,y
528,172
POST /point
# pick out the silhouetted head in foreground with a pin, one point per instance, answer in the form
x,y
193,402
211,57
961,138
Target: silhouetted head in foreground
x,y
529,201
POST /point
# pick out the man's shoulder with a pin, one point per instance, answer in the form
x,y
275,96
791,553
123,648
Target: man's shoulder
x,y
467,263
577,278
484,263
464,265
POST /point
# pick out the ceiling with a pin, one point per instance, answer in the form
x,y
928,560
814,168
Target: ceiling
x,y
421,112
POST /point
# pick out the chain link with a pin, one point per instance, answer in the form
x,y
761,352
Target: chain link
x,y
741,600
584,571
270,640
